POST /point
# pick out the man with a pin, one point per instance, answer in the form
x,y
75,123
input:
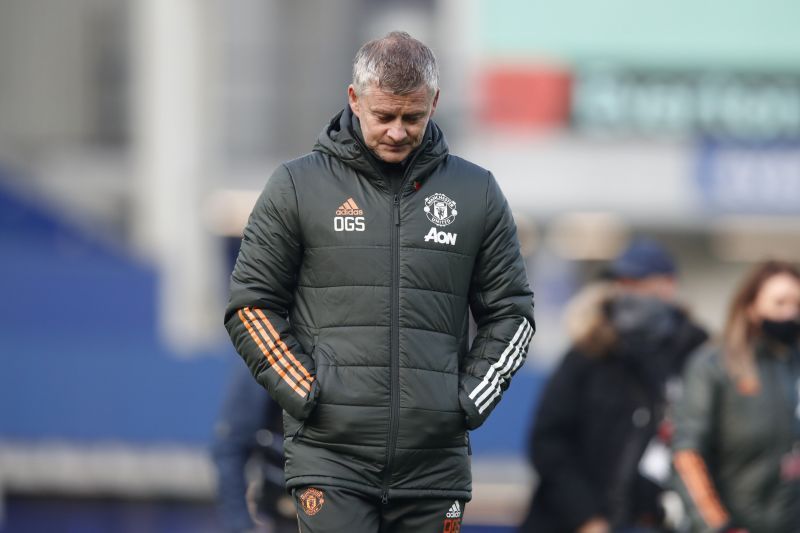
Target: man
x,y
601,431
350,300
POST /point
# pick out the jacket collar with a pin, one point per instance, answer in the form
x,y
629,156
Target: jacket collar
x,y
340,140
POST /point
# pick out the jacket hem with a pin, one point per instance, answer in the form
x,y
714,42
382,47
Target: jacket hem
x,y
303,481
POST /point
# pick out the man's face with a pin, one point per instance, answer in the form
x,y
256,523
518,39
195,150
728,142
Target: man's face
x,y
658,286
392,125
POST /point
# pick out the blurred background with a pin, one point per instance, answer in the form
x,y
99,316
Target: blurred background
x,y
135,136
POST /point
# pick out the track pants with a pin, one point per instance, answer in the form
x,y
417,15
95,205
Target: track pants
x,y
322,509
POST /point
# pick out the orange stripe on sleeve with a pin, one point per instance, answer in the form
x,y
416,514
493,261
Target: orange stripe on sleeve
x,y
283,345
274,349
692,470
268,355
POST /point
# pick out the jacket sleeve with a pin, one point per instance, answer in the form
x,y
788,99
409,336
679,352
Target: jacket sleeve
x,y
554,441
694,420
502,305
262,292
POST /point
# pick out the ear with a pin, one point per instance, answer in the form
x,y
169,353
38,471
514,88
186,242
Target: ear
x,y
435,101
355,103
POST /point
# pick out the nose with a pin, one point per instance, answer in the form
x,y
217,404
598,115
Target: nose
x,y
397,133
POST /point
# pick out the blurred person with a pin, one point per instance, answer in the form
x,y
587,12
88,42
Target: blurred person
x,y
597,439
249,430
737,434
350,302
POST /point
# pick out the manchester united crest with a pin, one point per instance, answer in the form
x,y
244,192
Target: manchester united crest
x,y
440,209
311,501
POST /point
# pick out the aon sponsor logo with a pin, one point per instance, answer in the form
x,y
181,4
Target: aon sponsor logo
x,y
348,223
442,237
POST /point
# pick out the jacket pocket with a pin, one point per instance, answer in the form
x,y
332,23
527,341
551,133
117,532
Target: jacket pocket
x,y
322,360
299,432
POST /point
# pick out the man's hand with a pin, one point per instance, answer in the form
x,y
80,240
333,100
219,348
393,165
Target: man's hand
x,y
595,525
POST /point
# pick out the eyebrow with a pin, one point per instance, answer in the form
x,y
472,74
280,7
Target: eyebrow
x,y
384,113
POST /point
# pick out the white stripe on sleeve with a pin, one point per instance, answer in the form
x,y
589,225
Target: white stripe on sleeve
x,y
509,360
496,386
499,363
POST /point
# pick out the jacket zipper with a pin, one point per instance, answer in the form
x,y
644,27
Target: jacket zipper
x,y
394,324
394,351
394,329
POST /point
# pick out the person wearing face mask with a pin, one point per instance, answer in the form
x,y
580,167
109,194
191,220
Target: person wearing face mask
x,y
737,426
600,417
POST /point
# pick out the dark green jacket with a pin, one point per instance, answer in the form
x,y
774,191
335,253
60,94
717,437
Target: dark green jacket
x,y
350,305
730,444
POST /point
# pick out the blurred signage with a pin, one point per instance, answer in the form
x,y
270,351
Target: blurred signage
x,y
749,178
525,96
630,101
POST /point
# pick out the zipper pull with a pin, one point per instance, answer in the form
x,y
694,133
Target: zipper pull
x,y
385,497
396,205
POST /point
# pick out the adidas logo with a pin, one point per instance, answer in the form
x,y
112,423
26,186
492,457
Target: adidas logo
x,y
349,217
349,208
455,510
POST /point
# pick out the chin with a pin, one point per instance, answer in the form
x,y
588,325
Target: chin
x,y
393,157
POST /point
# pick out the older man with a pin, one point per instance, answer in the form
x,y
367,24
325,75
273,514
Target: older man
x,y
350,299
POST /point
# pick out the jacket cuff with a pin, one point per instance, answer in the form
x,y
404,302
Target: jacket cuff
x,y
299,407
472,418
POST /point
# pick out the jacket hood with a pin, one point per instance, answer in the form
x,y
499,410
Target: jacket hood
x,y
339,140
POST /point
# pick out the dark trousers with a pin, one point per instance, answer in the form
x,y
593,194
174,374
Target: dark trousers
x,y
322,509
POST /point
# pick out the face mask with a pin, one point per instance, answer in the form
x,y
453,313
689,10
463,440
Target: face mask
x,y
783,331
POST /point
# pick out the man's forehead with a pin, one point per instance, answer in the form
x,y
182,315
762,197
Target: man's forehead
x,y
377,98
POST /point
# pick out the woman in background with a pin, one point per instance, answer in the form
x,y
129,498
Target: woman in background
x,y
737,425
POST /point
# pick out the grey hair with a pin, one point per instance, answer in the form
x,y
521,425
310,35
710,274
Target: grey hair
x,y
396,63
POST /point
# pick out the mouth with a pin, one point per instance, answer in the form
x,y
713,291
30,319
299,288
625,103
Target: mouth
x,y
395,147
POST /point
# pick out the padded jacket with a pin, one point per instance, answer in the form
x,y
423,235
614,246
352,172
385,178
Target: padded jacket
x,y
737,447
350,304
600,412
